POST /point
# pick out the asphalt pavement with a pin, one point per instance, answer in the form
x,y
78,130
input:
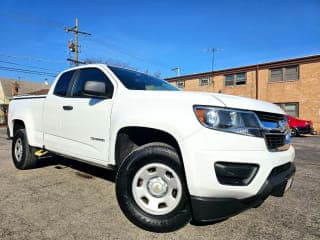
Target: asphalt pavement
x,y
64,199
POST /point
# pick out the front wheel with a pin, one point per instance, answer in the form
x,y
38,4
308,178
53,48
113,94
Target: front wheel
x,y
151,190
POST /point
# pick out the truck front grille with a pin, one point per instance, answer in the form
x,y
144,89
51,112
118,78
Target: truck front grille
x,y
275,136
275,141
269,117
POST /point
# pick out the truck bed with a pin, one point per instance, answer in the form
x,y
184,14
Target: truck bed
x,y
29,107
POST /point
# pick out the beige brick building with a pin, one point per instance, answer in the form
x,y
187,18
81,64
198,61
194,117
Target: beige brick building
x,y
294,84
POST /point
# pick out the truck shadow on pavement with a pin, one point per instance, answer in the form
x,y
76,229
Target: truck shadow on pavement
x,y
83,170
88,172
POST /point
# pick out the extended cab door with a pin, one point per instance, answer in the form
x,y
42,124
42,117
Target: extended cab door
x,y
53,112
85,121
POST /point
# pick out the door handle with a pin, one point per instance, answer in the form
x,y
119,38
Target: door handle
x,y
67,108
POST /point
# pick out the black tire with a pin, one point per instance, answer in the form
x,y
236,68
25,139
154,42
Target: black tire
x,y
294,132
146,154
27,160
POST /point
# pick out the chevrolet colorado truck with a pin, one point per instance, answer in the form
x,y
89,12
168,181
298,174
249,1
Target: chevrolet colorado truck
x,y
179,156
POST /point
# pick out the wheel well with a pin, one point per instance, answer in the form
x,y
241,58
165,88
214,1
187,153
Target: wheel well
x,y
18,124
130,138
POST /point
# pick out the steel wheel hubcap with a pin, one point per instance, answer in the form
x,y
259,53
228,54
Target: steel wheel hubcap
x,y
18,149
157,189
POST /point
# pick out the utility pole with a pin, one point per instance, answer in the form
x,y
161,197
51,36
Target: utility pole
x,y
176,70
213,51
74,47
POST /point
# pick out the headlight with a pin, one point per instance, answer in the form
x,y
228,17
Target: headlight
x,y
229,120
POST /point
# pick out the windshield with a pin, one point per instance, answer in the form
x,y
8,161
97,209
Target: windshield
x,y
139,81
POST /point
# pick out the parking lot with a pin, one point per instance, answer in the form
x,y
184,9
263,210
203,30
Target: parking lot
x,y
64,199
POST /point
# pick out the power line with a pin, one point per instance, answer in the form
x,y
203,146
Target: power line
x,y
18,64
114,48
21,17
29,58
74,47
36,21
27,71
76,62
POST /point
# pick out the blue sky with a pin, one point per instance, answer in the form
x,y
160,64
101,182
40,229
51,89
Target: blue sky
x,y
156,35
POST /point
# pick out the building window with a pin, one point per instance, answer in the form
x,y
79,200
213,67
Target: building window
x,y
204,81
235,79
292,73
241,78
284,74
228,80
276,74
180,84
291,109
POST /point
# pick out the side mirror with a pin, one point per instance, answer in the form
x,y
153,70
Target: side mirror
x,y
94,89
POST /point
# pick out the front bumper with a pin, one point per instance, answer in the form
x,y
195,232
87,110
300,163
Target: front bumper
x,y
207,209
205,148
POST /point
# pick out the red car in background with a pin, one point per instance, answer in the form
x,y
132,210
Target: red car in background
x,y
299,127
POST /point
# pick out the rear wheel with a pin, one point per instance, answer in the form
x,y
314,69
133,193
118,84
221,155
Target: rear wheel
x,y
151,190
23,154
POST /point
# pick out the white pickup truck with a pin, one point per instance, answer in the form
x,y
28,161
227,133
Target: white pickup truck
x,y
179,156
